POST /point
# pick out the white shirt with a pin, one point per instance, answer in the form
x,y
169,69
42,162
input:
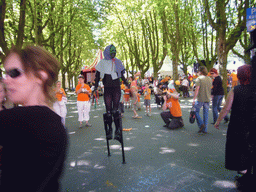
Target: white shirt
x,y
106,67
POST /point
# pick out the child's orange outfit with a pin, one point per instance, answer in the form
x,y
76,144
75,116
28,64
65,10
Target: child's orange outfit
x,y
127,93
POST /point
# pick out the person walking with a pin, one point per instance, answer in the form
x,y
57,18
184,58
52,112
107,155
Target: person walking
x,y
203,96
32,135
83,92
217,95
59,106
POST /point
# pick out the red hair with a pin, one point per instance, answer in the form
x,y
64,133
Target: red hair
x,y
213,70
244,74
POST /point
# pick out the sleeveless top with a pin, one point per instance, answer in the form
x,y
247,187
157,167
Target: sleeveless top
x,y
240,140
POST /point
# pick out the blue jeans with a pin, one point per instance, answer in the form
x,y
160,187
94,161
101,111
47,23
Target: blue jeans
x,y
216,103
199,120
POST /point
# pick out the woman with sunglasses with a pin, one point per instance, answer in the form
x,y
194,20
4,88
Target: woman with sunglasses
x,y
33,137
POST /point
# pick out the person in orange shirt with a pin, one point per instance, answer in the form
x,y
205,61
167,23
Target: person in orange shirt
x,y
127,93
234,78
171,102
122,86
147,93
83,92
59,106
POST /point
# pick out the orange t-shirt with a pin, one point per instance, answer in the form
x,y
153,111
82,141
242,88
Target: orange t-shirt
x,y
175,109
148,95
59,95
83,96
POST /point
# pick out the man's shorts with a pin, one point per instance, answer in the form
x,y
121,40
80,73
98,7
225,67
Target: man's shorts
x,y
147,102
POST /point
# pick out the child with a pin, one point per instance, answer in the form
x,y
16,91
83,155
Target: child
x,y
127,96
147,93
134,98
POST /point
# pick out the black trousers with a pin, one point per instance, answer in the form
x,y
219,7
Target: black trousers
x,y
112,98
176,122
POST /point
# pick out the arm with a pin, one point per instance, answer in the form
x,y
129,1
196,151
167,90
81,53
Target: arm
x,y
97,79
195,94
226,108
166,105
78,90
175,94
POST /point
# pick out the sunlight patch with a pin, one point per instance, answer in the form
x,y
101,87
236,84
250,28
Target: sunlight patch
x,y
99,139
115,146
165,150
83,162
224,184
128,148
98,167
72,164
193,144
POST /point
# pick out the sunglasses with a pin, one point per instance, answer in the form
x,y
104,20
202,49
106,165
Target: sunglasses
x,y
13,73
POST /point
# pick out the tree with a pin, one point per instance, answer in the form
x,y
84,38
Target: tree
x,y
222,22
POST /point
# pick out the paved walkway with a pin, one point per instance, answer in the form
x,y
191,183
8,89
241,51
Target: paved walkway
x,y
157,159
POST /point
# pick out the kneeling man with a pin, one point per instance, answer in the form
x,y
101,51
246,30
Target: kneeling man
x,y
171,101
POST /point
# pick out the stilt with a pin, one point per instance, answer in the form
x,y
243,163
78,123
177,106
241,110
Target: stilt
x,y
122,145
108,148
107,117
119,131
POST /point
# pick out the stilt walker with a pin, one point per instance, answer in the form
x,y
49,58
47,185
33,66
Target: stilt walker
x,y
110,70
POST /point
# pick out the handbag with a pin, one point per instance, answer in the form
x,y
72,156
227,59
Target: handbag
x,y
192,115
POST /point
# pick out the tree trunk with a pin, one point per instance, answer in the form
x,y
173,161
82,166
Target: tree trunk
x,y
20,37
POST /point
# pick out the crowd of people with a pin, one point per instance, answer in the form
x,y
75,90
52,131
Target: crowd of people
x,y
33,104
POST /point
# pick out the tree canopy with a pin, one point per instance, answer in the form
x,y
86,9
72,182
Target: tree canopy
x,y
144,32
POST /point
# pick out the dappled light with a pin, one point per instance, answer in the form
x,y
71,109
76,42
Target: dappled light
x,y
165,150
128,148
115,147
99,139
224,184
98,166
193,144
